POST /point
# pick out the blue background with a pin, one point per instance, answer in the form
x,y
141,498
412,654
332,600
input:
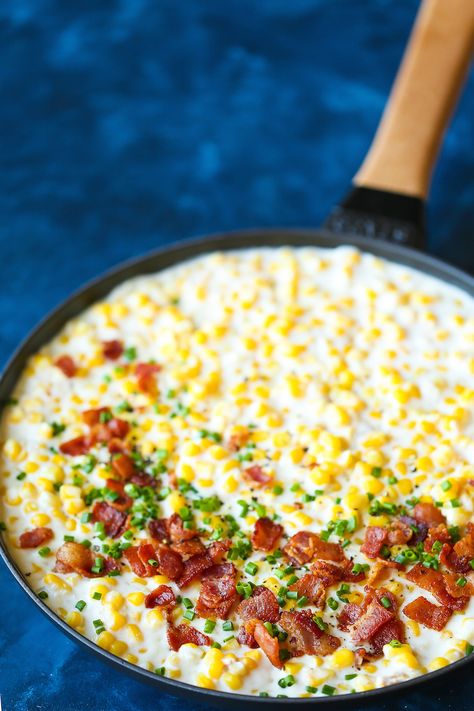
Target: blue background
x,y
127,124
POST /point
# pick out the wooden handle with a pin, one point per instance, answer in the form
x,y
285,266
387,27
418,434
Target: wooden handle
x,y
427,86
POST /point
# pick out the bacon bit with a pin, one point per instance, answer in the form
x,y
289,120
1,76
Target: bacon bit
x,y
438,533
218,594
116,446
92,417
392,630
361,656
162,596
464,549
257,474
123,502
262,605
423,611
311,587
195,566
428,514
418,535
177,530
67,365
145,373
138,557
118,428
112,349
304,546
266,534
185,634
379,571
187,549
159,529
36,537
399,533
374,616
74,557
268,644
238,440
304,635
327,573
438,583
115,521
374,540
349,614
143,479
75,447
169,562
244,637
124,466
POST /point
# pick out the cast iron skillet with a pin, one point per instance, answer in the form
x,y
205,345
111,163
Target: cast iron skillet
x,y
388,206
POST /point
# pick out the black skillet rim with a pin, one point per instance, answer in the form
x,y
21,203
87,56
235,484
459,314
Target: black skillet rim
x,y
156,261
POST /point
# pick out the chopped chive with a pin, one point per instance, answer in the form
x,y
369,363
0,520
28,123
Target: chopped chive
x,y
42,595
21,476
189,615
45,551
209,626
328,690
97,596
251,568
80,605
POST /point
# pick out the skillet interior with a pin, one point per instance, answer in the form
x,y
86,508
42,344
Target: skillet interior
x,y
157,261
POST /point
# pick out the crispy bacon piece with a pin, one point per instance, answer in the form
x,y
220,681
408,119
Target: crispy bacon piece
x,y
379,571
75,447
187,549
143,479
245,637
115,521
266,534
162,596
145,373
459,559
304,546
112,350
419,529
304,635
124,466
195,566
262,605
441,585
429,514
374,540
138,557
399,533
123,502
257,475
423,611
238,440
93,417
268,644
159,529
218,594
438,533
74,557
311,587
185,634
117,446
169,562
113,429
392,630
177,530
374,616
349,614
35,538
67,365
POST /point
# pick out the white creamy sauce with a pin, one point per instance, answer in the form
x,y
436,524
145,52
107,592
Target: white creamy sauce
x,y
340,362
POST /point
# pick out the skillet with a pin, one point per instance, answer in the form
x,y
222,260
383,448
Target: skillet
x,y
383,215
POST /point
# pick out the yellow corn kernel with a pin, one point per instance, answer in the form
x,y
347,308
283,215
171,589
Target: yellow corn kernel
x,y
118,647
31,467
191,449
303,518
115,600
217,452
12,449
215,665
68,491
40,519
52,579
29,491
402,654
135,632
105,640
424,464
296,455
204,682
74,506
437,663
74,619
187,472
342,658
372,485
176,501
356,500
118,621
155,618
136,598
292,667
405,486
100,589
230,484
131,658
281,439
233,681
45,484
412,624
251,659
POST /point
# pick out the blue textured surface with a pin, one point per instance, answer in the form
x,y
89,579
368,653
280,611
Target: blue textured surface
x,y
128,124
